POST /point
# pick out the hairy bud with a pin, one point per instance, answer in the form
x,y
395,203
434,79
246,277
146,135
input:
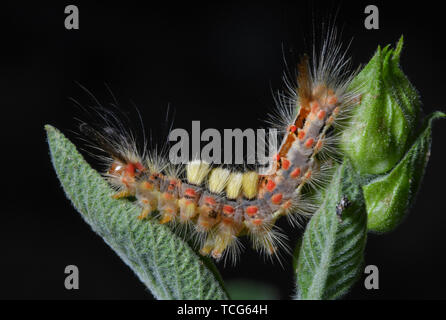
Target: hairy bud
x,y
384,141
383,124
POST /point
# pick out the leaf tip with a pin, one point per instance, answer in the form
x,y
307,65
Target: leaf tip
x,y
398,49
439,114
50,129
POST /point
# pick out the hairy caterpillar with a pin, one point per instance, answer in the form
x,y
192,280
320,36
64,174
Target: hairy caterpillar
x,y
219,204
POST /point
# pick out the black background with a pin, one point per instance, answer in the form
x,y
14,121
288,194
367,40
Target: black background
x,y
216,62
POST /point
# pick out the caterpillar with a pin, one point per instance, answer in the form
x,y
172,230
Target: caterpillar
x,y
219,205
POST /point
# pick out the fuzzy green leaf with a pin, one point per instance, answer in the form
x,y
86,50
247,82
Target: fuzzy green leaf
x,y
331,253
389,197
163,261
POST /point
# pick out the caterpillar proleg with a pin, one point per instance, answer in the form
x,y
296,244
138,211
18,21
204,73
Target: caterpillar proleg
x,y
219,205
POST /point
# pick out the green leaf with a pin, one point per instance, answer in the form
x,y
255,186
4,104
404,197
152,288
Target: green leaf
x,y
383,125
389,197
163,261
331,252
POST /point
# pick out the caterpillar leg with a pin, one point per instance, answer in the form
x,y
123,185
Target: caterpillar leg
x,y
168,215
168,200
147,196
123,194
269,241
144,213
209,212
166,219
226,243
188,210
226,239
190,193
208,245
188,203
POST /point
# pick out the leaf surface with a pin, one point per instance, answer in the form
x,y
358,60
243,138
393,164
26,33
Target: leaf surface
x,y
331,252
165,263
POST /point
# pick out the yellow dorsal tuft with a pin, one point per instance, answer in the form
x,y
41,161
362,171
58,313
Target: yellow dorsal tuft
x,y
250,184
218,180
234,185
197,171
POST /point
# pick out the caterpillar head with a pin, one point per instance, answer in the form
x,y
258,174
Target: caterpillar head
x,y
125,174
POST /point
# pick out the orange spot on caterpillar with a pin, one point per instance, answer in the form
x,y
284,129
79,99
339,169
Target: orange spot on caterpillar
x,y
309,143
210,200
321,115
301,135
130,170
287,204
277,157
277,198
270,185
171,186
251,210
295,173
285,163
257,222
133,169
332,100
227,221
336,111
167,196
147,185
293,128
145,201
228,209
190,192
314,106
140,167
308,174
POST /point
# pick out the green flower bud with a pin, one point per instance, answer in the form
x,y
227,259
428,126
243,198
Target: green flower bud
x,y
383,124
389,197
